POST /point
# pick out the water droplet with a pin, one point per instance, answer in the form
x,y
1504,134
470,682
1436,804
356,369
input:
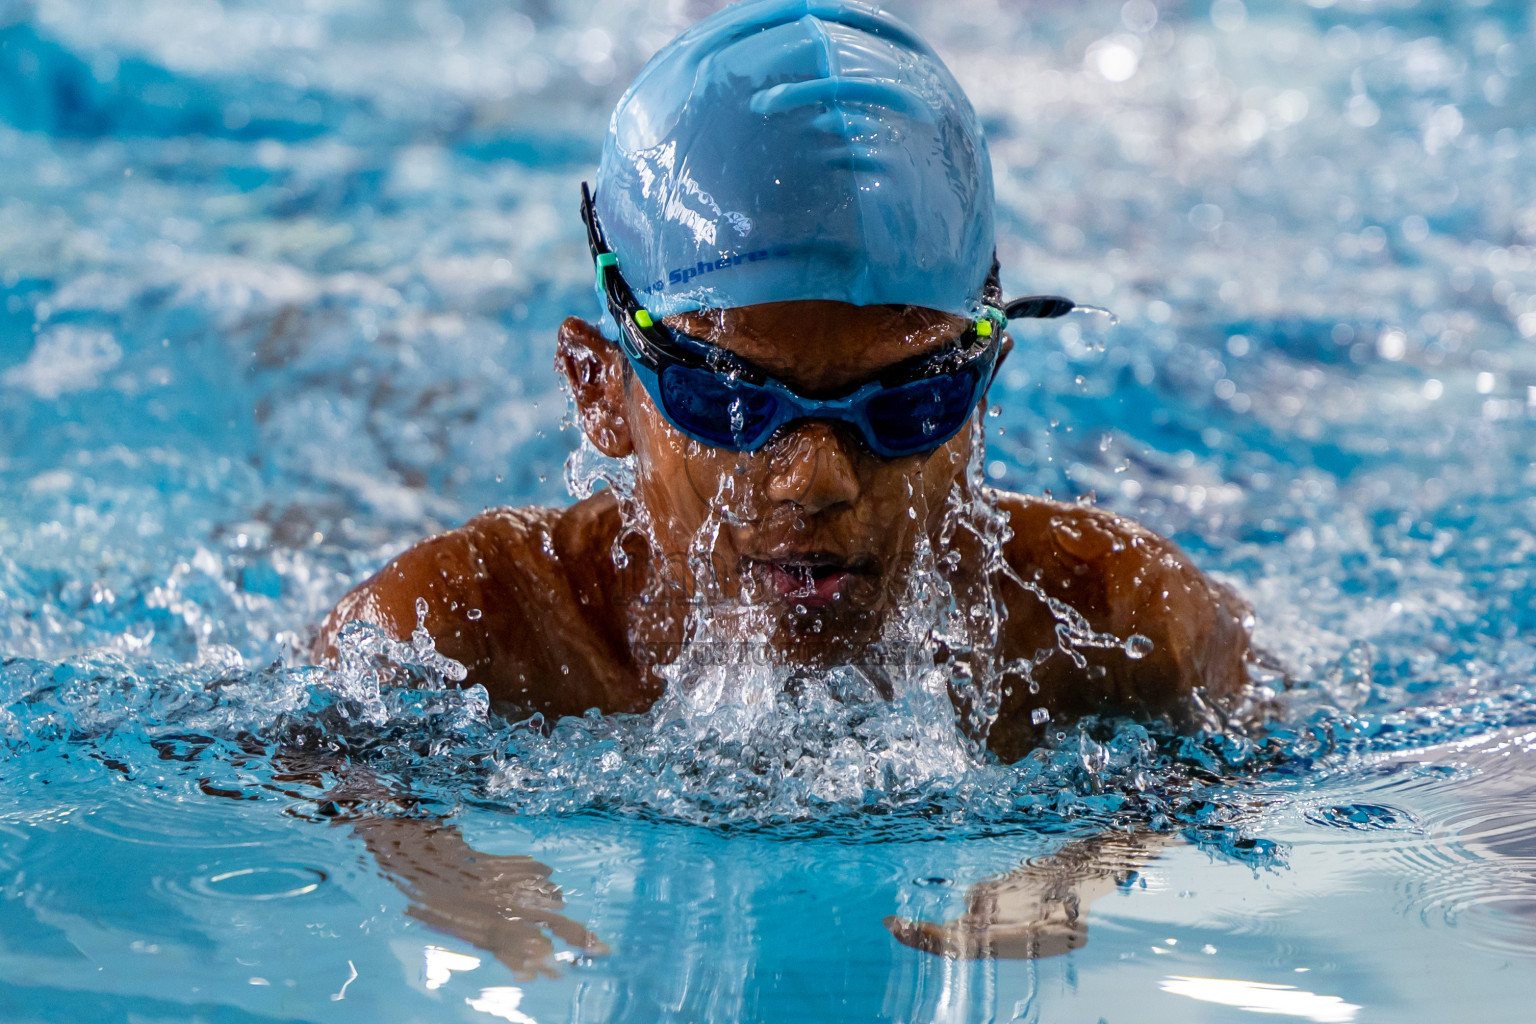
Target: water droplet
x,y
565,670
474,614
1137,646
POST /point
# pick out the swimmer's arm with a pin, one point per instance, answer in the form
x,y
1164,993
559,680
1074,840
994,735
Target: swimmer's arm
x,y
506,905
1041,908
498,602
448,573
1125,580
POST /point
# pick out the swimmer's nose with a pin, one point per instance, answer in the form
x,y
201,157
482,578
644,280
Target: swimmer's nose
x,y
811,467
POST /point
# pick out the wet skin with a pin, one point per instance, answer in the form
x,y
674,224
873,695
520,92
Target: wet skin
x,y
813,530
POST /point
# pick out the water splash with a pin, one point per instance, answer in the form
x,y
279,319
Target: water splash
x,y
749,738
744,734
772,747
367,658
1109,315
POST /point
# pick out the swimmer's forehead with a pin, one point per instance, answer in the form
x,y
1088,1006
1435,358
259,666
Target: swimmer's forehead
x,y
823,344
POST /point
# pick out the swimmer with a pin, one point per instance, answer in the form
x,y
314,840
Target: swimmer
x,y
792,236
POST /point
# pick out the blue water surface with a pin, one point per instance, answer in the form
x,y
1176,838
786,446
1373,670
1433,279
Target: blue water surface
x,y
279,282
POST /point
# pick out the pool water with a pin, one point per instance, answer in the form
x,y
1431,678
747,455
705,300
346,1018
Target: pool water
x,y
280,282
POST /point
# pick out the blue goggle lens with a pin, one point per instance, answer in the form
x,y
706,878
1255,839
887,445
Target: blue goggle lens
x,y
716,410
914,417
921,415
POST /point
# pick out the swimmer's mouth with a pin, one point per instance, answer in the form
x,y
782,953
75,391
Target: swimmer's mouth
x,y
810,580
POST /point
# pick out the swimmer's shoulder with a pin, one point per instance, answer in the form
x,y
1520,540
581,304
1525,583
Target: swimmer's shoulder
x,y
515,594
1092,554
1126,580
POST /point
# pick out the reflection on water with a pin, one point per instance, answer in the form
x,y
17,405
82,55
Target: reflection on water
x,y
438,965
278,282
1282,1000
625,920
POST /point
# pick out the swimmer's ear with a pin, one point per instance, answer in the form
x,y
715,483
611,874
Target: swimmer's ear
x,y
593,368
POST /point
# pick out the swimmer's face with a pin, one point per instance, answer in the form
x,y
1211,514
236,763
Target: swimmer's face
x,y
813,527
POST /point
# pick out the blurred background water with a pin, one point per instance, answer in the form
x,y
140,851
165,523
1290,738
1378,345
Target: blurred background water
x,y
278,289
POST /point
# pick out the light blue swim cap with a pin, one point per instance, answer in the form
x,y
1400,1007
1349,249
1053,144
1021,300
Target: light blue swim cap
x,y
798,149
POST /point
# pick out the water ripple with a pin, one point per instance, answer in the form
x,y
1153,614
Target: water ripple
x,y
1363,818
264,882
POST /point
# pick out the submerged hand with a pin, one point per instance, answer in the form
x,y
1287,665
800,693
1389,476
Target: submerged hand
x,y
1037,911
1002,923
503,904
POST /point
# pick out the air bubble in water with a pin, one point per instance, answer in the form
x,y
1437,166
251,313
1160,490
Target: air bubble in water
x,y
474,614
1137,646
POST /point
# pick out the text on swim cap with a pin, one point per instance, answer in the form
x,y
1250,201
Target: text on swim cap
x,y
683,275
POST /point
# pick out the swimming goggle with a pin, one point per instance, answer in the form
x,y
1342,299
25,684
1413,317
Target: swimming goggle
x,y
716,398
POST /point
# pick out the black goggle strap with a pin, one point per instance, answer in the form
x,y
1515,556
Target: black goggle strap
x,y
1030,307
1040,307
621,300
635,322
1046,307
994,318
